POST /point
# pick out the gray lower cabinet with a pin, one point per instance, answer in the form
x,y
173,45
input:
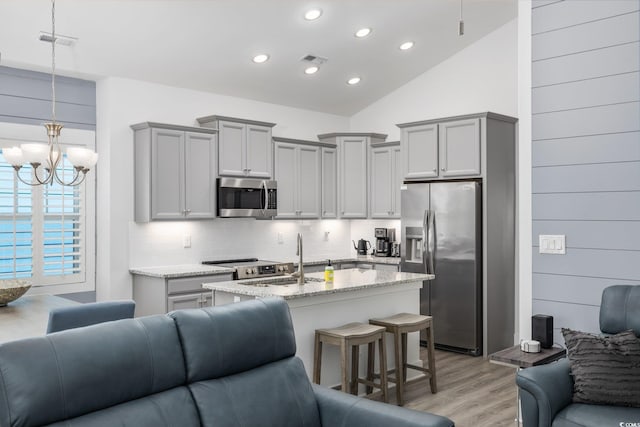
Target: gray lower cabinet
x,y
298,173
244,146
442,148
385,180
158,295
174,172
329,183
353,177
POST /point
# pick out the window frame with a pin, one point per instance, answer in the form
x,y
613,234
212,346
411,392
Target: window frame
x,y
12,134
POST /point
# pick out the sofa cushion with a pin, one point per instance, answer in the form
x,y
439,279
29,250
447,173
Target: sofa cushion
x,y
224,340
169,408
67,374
583,415
605,370
278,394
620,309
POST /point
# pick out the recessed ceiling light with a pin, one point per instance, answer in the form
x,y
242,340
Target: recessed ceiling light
x,y
406,45
313,14
311,70
259,59
363,32
353,81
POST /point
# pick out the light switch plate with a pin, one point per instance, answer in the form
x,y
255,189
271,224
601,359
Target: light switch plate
x,y
186,241
552,244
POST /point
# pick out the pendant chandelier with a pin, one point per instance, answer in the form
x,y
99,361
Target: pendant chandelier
x,y
46,159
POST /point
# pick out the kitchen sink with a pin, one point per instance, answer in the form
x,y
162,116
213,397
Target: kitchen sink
x,y
278,281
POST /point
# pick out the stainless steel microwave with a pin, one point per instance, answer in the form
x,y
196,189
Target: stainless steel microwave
x,y
247,198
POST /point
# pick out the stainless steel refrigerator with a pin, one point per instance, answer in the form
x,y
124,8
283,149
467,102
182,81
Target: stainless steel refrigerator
x,y
442,235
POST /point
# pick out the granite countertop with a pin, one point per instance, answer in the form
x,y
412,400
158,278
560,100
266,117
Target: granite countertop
x,y
352,279
190,270
360,258
183,270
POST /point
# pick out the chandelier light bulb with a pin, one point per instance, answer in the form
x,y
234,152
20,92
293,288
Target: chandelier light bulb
x,y
35,153
13,156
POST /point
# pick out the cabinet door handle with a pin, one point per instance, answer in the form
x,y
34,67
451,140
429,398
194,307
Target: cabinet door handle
x,y
435,169
324,212
443,169
188,211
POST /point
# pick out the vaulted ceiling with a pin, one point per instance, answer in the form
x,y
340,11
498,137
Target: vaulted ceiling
x,y
208,45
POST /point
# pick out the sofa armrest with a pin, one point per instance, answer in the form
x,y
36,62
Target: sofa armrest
x,y
544,391
340,409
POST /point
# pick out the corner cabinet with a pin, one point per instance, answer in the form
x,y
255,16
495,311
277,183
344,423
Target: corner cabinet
x,y
175,172
385,179
244,146
297,170
352,170
443,148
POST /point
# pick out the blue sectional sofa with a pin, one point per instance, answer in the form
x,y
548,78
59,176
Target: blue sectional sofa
x,y
225,366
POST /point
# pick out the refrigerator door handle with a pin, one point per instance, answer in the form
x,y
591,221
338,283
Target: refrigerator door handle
x,y
425,238
432,241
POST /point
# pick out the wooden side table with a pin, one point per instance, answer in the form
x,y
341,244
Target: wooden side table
x,y
516,358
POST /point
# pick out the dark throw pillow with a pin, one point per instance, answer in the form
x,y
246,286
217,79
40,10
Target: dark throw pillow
x,y
605,369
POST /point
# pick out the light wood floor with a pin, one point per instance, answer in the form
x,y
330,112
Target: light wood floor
x,y
471,391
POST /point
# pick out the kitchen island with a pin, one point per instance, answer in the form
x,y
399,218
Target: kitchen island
x,y
356,295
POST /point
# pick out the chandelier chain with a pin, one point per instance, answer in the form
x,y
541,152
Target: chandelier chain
x,y
53,60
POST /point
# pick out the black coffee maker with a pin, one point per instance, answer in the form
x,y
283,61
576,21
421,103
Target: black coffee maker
x,y
384,241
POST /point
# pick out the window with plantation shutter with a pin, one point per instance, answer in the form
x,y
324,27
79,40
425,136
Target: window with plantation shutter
x,y
43,229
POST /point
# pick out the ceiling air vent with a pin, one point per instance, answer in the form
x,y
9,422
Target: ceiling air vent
x,y
313,59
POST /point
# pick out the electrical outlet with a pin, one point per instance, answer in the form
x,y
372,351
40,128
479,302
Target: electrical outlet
x,y
326,236
186,241
280,238
552,244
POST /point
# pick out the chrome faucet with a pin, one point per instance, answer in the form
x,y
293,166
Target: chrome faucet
x,y
300,265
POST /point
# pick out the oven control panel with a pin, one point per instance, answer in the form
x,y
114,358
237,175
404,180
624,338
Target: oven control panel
x,y
264,270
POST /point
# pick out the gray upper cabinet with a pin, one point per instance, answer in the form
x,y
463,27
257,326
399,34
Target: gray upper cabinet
x,y
329,182
353,177
244,146
297,171
385,180
175,172
441,150
459,148
420,147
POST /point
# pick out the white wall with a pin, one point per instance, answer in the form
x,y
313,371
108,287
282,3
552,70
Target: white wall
x,y
482,77
122,243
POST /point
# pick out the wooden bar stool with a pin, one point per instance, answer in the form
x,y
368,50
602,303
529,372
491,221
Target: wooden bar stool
x,y
353,335
400,325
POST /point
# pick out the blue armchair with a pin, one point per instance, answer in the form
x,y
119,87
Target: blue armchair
x,y
546,392
77,316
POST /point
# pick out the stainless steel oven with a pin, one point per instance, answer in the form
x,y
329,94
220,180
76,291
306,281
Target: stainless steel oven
x,y
252,268
245,197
